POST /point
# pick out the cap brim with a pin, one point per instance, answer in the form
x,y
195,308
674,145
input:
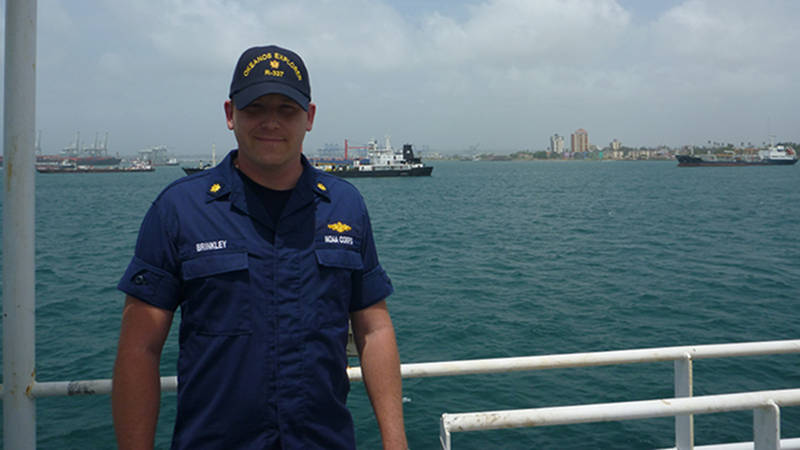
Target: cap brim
x,y
250,93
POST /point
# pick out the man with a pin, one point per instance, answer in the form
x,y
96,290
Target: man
x,y
267,258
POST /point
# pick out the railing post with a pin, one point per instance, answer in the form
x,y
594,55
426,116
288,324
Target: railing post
x,y
444,433
767,427
19,408
684,424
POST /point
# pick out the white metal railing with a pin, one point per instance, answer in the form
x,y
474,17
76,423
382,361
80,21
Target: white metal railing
x,y
765,406
683,383
682,357
570,360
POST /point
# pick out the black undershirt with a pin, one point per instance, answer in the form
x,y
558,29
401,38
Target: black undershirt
x,y
270,200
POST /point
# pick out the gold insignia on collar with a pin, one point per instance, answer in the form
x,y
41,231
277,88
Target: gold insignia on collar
x,y
321,187
214,188
339,226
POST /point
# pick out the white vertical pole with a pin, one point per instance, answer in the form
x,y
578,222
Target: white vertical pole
x,y
684,424
767,427
444,433
19,408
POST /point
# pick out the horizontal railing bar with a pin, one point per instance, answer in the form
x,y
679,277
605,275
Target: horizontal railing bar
x,y
611,412
494,365
88,387
570,360
786,444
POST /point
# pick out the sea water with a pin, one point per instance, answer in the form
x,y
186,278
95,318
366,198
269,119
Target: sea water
x,y
488,259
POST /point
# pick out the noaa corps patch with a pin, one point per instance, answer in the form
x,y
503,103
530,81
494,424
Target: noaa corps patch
x,y
340,238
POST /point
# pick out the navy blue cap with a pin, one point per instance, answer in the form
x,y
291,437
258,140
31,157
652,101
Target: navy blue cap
x,y
270,70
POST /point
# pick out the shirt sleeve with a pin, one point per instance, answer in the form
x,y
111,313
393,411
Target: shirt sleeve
x,y
375,284
152,275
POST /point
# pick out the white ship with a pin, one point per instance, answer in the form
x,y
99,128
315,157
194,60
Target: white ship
x,y
380,162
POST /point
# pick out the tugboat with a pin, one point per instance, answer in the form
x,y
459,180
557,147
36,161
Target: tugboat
x,y
203,165
380,162
775,155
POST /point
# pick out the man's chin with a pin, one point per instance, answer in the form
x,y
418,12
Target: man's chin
x,y
276,162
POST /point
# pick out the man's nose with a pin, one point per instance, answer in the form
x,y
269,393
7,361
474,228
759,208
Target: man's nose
x,y
270,119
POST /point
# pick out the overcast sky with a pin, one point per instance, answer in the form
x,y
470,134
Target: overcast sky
x,y
503,75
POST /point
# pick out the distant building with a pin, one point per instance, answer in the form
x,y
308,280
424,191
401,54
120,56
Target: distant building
x,y
157,156
330,151
615,150
557,143
580,141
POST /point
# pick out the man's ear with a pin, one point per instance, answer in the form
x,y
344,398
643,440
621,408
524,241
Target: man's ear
x,y
229,113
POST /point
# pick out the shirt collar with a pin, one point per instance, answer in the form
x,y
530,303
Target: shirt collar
x,y
225,180
308,187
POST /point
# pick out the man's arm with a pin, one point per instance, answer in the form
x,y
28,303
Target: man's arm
x,y
136,388
380,366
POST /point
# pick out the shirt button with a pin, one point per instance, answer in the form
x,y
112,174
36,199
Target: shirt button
x,y
139,280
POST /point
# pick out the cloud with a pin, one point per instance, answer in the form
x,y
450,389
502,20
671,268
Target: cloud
x,y
524,34
730,47
510,72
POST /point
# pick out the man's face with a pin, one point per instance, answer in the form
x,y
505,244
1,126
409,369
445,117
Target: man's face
x,y
270,131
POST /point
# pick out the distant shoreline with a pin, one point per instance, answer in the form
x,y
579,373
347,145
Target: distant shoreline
x,y
550,160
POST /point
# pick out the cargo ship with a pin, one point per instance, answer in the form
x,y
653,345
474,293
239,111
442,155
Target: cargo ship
x,y
69,166
775,155
96,155
380,162
78,155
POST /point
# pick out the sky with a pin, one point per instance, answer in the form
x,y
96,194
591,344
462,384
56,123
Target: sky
x,y
447,76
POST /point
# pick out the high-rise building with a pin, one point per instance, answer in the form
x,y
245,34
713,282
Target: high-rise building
x,y
557,143
580,141
616,149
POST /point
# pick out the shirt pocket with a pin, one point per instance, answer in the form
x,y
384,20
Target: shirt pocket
x,y
338,271
217,293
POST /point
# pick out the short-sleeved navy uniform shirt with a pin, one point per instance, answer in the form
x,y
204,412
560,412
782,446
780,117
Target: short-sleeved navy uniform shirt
x,y
264,305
